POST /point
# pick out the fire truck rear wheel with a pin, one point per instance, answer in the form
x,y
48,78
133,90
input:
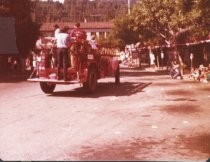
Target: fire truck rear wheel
x,y
47,88
91,83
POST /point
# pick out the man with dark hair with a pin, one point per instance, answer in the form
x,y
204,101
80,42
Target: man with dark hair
x,y
54,41
63,42
57,30
77,33
78,36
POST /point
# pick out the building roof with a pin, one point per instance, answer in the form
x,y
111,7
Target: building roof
x,y
87,25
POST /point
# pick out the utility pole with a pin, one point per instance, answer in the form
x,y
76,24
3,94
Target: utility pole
x,y
129,7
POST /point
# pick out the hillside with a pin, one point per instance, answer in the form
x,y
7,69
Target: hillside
x,y
79,10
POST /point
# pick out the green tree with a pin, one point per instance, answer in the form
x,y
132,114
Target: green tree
x,y
26,30
199,19
153,18
166,22
123,32
162,20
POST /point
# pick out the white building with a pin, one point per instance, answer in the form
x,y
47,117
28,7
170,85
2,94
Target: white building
x,y
100,29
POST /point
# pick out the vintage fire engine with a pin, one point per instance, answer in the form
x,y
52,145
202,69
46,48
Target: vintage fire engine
x,y
86,66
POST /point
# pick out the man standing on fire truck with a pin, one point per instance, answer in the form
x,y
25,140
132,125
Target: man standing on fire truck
x,y
79,36
63,42
78,33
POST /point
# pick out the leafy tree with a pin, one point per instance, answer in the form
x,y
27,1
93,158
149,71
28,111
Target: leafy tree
x,y
153,18
199,18
26,30
165,19
166,22
123,31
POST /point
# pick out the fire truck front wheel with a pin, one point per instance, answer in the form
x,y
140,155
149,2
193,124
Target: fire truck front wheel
x,y
47,88
90,84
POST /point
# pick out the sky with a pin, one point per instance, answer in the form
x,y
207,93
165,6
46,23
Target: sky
x,y
56,0
59,0
62,0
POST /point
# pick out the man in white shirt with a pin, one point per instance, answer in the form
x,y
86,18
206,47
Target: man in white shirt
x,y
57,30
63,42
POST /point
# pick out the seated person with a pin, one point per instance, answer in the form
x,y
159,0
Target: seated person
x,y
175,70
195,74
93,43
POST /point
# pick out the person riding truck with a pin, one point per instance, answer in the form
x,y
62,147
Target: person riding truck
x,y
79,45
77,33
63,42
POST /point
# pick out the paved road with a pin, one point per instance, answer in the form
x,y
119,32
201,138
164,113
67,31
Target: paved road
x,y
148,117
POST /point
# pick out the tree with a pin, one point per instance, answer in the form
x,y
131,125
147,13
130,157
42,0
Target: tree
x,y
26,30
79,10
166,22
153,18
123,31
164,19
199,19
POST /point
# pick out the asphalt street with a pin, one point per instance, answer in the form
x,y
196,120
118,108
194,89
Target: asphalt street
x,y
149,116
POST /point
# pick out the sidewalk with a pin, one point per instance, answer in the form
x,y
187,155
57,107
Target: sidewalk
x,y
160,71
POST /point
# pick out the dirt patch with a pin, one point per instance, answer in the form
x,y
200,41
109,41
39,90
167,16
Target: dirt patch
x,y
199,143
181,109
179,92
127,150
146,149
205,89
190,82
181,99
165,84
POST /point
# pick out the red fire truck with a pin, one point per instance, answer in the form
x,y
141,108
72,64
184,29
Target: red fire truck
x,y
86,66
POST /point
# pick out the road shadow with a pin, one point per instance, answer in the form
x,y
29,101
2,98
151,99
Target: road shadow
x,y
105,89
138,72
17,76
13,77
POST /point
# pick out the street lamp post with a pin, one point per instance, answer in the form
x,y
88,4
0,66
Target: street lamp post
x,y
191,60
129,7
162,57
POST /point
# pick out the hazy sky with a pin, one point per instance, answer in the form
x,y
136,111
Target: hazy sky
x,y
56,0
62,0
59,0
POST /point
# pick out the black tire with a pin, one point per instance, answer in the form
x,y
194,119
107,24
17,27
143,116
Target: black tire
x,y
47,88
91,83
117,76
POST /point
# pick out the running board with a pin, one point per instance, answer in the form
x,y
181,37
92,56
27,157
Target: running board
x,y
55,81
